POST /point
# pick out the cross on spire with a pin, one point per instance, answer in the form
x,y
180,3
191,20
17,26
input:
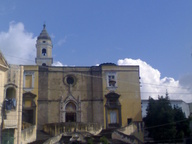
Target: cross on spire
x,y
44,26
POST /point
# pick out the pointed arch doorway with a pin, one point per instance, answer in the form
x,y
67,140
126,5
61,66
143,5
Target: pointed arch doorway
x,y
70,115
70,110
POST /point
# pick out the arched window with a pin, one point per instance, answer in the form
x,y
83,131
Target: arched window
x,y
10,101
10,93
113,110
44,52
70,112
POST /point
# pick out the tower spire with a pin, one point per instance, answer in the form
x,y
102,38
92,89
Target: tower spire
x,y
44,48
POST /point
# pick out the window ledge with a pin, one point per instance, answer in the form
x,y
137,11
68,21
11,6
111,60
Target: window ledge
x,y
28,89
112,88
11,110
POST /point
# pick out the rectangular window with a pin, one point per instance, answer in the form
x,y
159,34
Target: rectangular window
x,y
8,136
113,117
111,80
28,81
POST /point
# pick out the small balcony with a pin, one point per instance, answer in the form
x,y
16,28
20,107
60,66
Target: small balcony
x,y
7,124
10,119
10,114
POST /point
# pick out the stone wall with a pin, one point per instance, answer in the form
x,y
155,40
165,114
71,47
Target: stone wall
x,y
42,97
55,92
128,88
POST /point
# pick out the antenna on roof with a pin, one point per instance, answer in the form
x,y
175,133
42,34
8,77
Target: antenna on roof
x,y
167,94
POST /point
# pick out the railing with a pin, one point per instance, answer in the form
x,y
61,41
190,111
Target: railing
x,y
28,135
10,124
58,128
10,120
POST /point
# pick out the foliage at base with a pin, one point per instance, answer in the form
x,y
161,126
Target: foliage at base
x,y
164,123
104,140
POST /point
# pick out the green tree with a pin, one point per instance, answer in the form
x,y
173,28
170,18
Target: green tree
x,y
182,124
165,123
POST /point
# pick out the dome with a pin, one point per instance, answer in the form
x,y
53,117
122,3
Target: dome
x,y
44,34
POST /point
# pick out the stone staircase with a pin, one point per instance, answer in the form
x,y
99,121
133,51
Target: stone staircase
x,y
41,137
107,133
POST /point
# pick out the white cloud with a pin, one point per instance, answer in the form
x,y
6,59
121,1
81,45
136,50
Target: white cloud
x,y
153,85
62,41
57,63
18,45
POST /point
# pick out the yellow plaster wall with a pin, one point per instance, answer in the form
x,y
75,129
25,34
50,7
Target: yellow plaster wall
x,y
2,82
34,90
128,87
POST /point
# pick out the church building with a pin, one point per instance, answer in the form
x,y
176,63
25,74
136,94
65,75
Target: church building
x,y
90,98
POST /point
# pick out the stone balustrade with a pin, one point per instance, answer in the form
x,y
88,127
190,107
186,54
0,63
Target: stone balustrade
x,y
58,128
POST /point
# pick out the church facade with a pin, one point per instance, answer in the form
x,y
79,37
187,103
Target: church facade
x,y
107,94
99,94
49,98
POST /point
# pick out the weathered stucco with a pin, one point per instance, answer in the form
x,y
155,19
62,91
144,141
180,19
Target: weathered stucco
x,y
54,90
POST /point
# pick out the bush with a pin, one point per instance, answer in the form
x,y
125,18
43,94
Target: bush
x,y
90,141
104,140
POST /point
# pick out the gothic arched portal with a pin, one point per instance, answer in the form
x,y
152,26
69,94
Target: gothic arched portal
x,y
70,115
70,109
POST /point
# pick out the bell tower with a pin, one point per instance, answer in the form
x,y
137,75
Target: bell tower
x,y
44,49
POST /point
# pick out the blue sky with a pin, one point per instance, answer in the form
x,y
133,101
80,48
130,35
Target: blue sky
x,y
86,33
